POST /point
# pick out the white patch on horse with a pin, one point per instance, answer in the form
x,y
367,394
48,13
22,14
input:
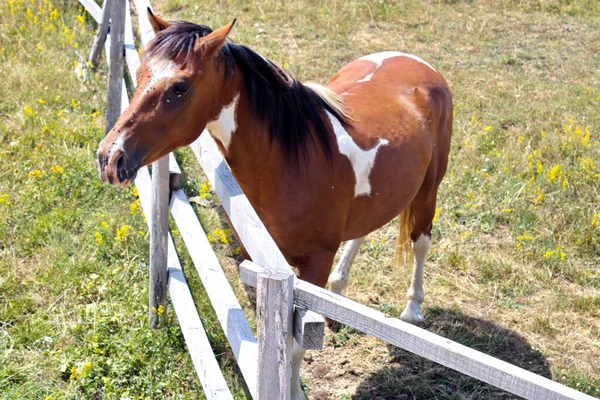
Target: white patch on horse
x,y
362,160
223,127
379,58
117,144
160,70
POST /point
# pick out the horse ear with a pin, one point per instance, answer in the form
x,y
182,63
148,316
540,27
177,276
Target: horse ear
x,y
213,42
158,24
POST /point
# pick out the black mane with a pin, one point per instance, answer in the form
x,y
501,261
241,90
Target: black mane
x,y
294,113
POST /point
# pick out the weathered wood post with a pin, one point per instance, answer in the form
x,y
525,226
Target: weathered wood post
x,y
100,38
274,316
157,308
115,71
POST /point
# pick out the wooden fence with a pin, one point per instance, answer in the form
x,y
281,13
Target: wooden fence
x,y
283,301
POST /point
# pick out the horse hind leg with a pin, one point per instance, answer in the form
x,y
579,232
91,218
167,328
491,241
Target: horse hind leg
x,y
338,280
418,222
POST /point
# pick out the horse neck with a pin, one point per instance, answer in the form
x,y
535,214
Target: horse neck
x,y
251,155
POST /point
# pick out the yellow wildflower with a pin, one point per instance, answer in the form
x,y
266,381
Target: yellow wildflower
x,y
135,206
104,225
204,190
29,111
36,173
554,173
73,103
521,139
4,199
41,101
135,191
540,197
436,215
99,238
57,169
596,219
507,210
122,233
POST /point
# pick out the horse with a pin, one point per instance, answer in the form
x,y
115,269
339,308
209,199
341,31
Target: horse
x,y
320,164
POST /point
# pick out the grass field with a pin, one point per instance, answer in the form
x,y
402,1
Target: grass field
x,y
515,266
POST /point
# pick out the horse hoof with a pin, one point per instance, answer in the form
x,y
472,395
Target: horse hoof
x,y
412,314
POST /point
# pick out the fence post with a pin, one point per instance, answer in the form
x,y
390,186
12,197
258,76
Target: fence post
x,y
100,38
115,71
274,329
159,231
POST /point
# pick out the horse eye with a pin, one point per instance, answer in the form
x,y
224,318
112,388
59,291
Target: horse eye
x,y
180,88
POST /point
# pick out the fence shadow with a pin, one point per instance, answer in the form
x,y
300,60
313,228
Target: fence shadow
x,y
412,377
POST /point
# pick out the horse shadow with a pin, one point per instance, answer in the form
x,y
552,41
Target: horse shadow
x,y
413,377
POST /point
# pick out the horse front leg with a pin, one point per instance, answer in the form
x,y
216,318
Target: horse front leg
x,y
313,268
338,280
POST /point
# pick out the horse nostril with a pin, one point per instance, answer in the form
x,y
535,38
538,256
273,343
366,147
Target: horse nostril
x,y
121,168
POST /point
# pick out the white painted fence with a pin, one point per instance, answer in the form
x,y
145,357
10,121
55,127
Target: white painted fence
x,y
283,300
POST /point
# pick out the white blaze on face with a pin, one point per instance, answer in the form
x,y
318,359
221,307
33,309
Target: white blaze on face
x,y
160,70
117,144
223,127
362,160
379,58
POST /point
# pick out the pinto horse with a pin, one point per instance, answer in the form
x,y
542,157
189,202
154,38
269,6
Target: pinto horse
x,y
320,164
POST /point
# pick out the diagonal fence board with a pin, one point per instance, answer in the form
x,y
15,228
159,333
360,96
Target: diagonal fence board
x,y
253,234
274,347
199,347
223,299
422,342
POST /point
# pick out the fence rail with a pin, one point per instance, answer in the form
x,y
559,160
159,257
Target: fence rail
x,y
286,306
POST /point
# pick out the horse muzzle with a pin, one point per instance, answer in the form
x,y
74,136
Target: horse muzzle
x,y
116,167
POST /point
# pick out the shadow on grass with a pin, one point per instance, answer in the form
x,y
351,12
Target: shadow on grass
x,y
413,377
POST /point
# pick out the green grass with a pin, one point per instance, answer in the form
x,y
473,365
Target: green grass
x,y
514,269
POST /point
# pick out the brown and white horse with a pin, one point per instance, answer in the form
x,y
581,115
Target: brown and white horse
x,y
320,164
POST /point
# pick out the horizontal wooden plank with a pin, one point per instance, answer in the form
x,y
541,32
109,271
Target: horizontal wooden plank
x,y
226,306
421,342
309,329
